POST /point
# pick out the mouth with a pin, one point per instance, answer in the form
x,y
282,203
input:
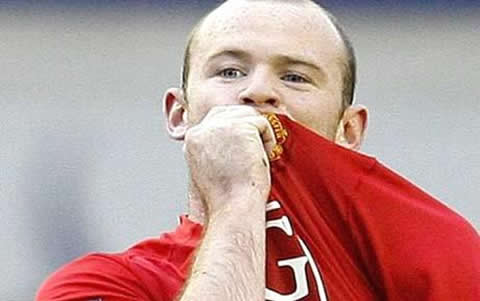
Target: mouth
x,y
277,111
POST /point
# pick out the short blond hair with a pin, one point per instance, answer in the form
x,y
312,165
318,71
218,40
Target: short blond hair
x,y
349,65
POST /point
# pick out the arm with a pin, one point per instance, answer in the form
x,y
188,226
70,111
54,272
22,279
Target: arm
x,y
229,171
230,263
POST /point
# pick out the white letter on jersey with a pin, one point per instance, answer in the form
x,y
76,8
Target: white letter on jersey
x,y
297,264
300,275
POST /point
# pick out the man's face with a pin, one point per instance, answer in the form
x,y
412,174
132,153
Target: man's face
x,y
277,56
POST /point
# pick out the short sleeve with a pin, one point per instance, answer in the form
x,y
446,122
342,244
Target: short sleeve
x,y
93,277
151,270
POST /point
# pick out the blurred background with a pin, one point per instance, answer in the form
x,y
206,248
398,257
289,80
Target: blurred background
x,y
85,164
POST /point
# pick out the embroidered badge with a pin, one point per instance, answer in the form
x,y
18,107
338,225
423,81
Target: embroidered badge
x,y
281,135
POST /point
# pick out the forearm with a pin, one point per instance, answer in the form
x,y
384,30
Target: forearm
x,y
230,263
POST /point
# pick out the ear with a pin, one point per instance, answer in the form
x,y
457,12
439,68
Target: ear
x,y
352,128
174,108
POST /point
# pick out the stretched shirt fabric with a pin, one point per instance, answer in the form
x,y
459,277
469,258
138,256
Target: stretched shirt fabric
x,y
340,226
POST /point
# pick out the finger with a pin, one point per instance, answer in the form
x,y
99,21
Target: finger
x,y
231,111
265,130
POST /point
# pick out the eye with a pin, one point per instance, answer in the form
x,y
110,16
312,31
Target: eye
x,y
295,78
231,73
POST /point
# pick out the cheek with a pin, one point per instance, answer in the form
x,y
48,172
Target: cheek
x,y
201,100
197,109
316,113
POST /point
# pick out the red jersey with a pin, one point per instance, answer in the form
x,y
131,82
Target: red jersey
x,y
340,226
152,270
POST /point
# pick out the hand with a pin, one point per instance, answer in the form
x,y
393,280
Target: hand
x,y
227,157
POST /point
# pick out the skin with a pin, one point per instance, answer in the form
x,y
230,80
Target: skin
x,y
250,57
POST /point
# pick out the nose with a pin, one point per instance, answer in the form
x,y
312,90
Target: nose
x,y
260,90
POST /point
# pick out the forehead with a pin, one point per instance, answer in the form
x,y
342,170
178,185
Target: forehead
x,y
285,27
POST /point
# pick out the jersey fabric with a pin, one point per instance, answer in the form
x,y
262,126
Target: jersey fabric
x,y
154,269
340,226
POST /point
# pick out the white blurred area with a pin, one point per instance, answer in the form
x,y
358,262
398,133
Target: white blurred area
x,y
85,164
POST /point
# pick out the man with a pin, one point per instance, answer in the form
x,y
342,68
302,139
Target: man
x,y
248,58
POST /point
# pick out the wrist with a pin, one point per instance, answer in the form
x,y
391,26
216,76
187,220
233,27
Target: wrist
x,y
243,207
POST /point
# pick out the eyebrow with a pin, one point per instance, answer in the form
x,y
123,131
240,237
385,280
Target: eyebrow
x,y
278,59
240,54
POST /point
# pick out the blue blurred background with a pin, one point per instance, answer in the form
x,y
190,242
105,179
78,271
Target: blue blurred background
x,y
85,164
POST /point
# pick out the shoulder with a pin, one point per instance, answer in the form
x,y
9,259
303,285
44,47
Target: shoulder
x,y
415,240
92,276
386,207
153,269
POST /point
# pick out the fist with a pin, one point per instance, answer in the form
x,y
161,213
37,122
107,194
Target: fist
x,y
227,157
